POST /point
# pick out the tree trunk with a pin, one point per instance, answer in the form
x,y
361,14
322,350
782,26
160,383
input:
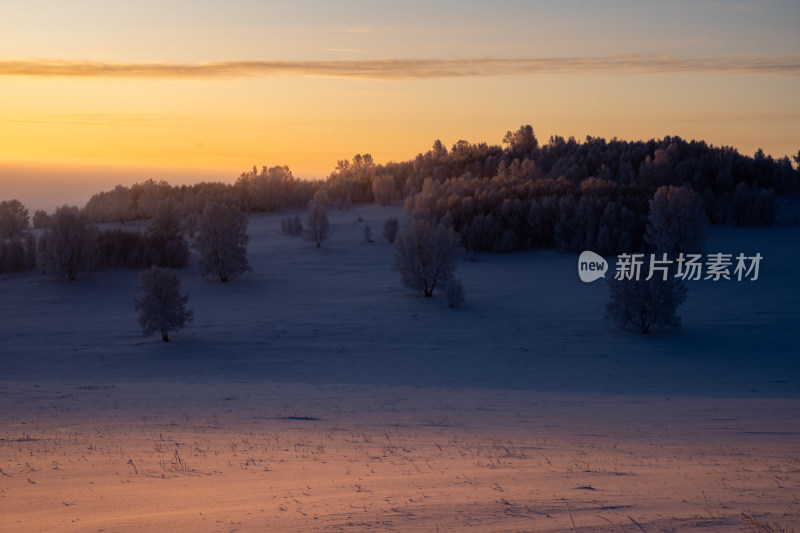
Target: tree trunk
x,y
164,335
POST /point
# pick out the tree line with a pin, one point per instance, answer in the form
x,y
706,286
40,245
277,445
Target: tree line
x,y
520,170
565,194
607,196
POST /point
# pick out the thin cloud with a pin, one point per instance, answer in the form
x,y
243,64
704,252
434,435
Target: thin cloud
x,y
91,119
407,69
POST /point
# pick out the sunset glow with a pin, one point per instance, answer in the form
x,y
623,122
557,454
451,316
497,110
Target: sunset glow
x,y
94,94
430,265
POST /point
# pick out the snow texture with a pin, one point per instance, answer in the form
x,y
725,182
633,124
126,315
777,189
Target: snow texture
x,y
316,393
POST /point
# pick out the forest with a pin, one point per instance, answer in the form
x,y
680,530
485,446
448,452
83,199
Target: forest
x,y
504,198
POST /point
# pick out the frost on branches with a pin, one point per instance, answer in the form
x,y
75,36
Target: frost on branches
x,y
318,228
162,308
221,241
69,246
426,255
645,304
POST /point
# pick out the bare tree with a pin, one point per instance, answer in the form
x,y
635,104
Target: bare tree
x,y
318,228
221,241
162,308
70,245
426,255
13,219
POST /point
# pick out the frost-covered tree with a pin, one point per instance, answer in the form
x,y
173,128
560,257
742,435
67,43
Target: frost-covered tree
x,y
162,308
167,218
41,219
390,229
13,219
321,197
522,142
317,226
70,245
644,305
166,245
384,188
221,241
676,222
426,256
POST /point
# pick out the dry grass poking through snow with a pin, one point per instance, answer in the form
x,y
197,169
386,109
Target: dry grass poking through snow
x,y
256,457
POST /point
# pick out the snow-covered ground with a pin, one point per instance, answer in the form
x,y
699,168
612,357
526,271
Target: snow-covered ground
x,y
316,393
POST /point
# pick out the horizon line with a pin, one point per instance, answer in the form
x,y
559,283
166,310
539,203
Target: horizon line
x,y
404,69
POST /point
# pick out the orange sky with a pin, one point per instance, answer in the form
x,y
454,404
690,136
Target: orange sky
x,y
96,94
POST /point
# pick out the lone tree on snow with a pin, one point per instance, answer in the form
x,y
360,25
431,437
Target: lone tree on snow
x,y
162,308
426,255
645,304
318,228
676,224
221,241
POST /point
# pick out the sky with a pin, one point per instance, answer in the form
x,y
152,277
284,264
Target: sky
x,y
96,93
